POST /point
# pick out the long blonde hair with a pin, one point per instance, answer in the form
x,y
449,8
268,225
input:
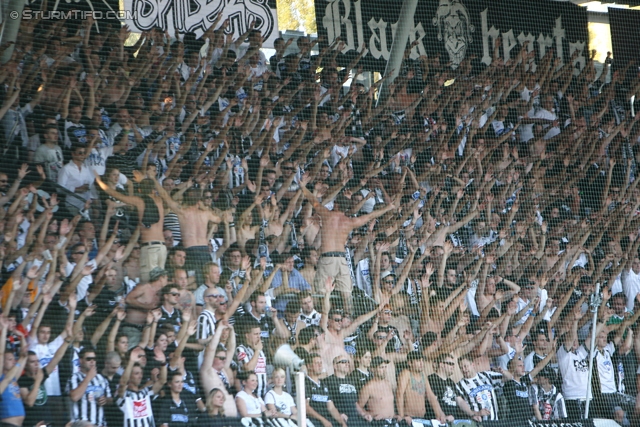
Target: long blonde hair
x,y
210,399
278,371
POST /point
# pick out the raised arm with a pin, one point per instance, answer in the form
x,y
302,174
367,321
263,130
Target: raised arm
x,y
357,322
135,356
130,200
362,220
173,205
319,207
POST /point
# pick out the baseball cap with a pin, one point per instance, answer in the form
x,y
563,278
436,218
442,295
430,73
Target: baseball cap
x,y
548,373
156,273
377,361
387,273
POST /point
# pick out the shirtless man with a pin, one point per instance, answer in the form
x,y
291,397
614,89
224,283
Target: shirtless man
x,y
331,324
374,396
194,218
335,230
153,252
187,300
414,390
141,300
211,380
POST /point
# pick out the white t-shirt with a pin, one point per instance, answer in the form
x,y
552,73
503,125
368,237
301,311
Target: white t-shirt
x,y
528,361
470,298
254,404
136,407
71,177
97,160
606,368
52,159
45,353
283,402
363,276
526,131
631,287
338,153
85,282
542,294
574,367
503,361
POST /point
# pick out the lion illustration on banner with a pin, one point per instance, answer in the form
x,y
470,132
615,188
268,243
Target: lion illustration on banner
x,y
455,28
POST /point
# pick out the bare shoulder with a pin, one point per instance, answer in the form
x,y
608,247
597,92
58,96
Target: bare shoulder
x,y
404,375
367,387
215,215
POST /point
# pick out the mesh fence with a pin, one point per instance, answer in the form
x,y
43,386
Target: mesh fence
x,y
429,209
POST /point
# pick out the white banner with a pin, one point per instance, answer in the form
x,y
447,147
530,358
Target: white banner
x,y
198,15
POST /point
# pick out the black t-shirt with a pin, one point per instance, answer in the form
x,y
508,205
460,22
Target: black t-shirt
x,y
266,326
40,410
318,395
394,343
183,414
358,379
205,420
517,395
445,391
174,319
111,413
343,394
106,301
189,384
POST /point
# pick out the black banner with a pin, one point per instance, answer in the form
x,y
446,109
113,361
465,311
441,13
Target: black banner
x,y
456,29
624,25
76,12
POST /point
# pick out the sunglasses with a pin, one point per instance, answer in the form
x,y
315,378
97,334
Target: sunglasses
x,y
342,362
174,294
222,358
78,253
387,312
89,359
381,337
4,180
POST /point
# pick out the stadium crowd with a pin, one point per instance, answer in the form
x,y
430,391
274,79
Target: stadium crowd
x,y
187,224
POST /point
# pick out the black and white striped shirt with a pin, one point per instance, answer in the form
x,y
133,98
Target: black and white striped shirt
x,y
87,407
171,223
479,392
311,319
244,354
206,325
136,407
